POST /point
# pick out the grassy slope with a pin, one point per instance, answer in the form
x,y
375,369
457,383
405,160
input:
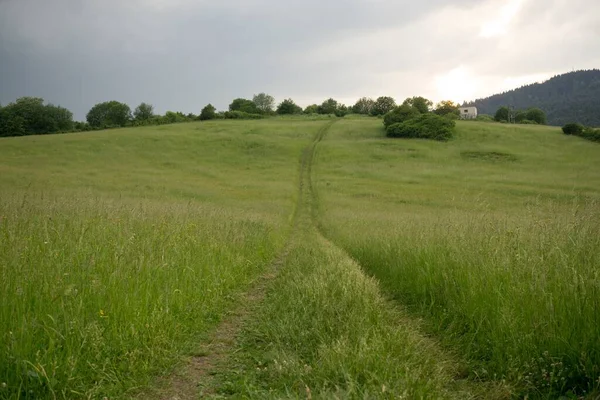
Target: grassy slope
x,y
117,248
325,331
492,237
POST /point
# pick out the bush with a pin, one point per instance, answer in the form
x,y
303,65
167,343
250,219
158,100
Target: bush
x,y
109,114
288,107
208,112
424,126
591,134
573,129
528,122
30,116
244,105
502,114
484,118
241,115
383,105
400,114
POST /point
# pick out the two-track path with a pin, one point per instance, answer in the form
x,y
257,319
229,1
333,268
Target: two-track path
x,y
196,379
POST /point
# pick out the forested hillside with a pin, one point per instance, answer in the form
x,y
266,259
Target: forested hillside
x,y
570,97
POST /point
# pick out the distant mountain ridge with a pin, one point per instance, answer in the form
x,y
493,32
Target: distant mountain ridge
x,y
570,97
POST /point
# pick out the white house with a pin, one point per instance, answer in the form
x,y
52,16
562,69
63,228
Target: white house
x,y
468,112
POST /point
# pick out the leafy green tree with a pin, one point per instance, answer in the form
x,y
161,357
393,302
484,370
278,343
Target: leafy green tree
x,y
11,125
536,115
311,109
364,105
502,114
420,103
342,110
29,116
109,114
264,103
383,105
208,112
143,112
288,107
243,105
399,114
445,107
328,106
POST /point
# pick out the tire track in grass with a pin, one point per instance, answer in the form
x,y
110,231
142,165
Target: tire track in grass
x,y
326,330
196,377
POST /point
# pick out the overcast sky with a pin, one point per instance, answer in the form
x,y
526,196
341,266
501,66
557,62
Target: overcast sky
x,y
182,54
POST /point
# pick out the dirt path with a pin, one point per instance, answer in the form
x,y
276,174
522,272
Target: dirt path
x,y
196,378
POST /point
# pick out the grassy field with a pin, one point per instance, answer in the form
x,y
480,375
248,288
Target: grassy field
x,y
492,237
409,269
118,249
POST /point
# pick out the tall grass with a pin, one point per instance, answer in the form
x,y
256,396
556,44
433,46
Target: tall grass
x,y
120,249
324,331
521,299
499,255
97,297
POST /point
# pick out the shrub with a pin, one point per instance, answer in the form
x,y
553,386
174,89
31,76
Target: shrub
x,y
208,112
591,134
109,114
287,107
502,114
241,115
424,126
573,129
484,118
312,109
400,114
243,105
528,122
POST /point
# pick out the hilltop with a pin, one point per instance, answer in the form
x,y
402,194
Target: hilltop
x,y
570,97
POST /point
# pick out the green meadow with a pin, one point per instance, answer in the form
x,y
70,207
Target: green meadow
x,y
408,268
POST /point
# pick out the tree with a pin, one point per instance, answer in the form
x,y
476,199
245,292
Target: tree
x,y
243,105
400,114
420,103
383,105
264,103
328,106
536,115
502,114
446,107
364,105
143,112
311,109
29,116
208,112
109,114
288,107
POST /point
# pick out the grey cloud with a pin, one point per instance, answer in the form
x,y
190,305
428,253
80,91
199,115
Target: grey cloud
x,y
182,54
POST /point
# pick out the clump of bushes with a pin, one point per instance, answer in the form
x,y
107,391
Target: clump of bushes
x,y
423,126
573,129
241,115
576,129
400,114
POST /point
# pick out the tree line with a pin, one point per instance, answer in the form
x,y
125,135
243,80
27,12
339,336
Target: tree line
x,y
32,116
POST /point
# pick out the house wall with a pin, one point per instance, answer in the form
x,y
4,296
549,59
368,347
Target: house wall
x,y
468,112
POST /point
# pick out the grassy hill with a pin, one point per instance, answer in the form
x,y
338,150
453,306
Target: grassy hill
x,y
570,97
466,269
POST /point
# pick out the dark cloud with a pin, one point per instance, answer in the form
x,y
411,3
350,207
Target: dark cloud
x,y
182,54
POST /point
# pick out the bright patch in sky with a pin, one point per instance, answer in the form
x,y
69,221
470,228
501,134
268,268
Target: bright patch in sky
x,y
456,85
513,82
499,25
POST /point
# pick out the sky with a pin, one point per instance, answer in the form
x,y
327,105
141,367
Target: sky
x,y
180,55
